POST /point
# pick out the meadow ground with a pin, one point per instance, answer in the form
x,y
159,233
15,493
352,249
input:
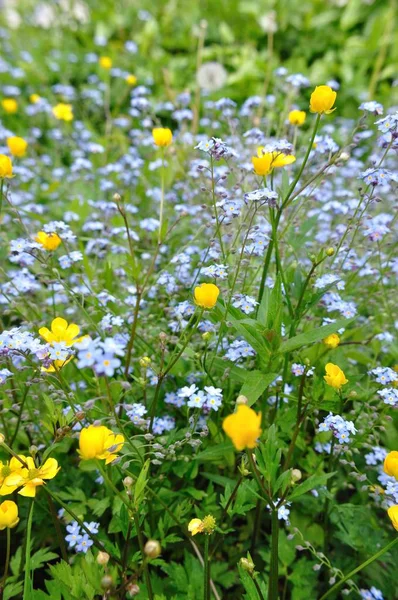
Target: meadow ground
x,y
198,265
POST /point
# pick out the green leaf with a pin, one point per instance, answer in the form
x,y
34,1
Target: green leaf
x,y
309,484
255,384
315,335
140,484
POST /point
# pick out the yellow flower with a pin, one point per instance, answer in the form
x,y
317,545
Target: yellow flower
x,y
332,341
297,117
131,79
162,136
195,526
207,525
334,376
34,98
61,332
97,441
391,464
265,162
206,295
6,471
10,105
322,100
393,514
63,112
8,514
17,146
49,241
243,427
105,62
5,167
32,477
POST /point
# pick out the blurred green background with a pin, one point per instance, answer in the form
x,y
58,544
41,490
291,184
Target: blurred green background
x,y
352,41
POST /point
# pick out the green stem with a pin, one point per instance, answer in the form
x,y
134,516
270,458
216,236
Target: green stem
x,y
7,563
296,180
144,563
161,201
273,579
362,566
206,593
1,194
28,582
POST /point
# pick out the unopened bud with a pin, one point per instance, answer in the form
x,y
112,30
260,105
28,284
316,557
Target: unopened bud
x,y
241,399
296,475
132,590
247,564
353,394
33,450
330,251
117,198
152,548
103,558
128,482
145,361
106,582
206,335
2,438
80,415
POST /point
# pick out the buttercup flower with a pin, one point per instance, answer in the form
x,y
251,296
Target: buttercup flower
x,y
207,525
63,112
131,79
332,341
265,162
297,117
243,427
10,105
61,332
334,376
5,167
322,100
99,442
162,136
195,526
17,146
7,470
391,464
8,514
393,514
105,62
206,295
34,98
31,477
49,241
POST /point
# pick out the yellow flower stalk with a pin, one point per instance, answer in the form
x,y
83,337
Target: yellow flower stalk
x,y
265,162
391,464
334,376
206,294
17,146
10,105
97,441
243,427
297,117
8,515
32,477
63,112
105,62
393,514
322,100
49,241
162,136
332,341
7,471
5,167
